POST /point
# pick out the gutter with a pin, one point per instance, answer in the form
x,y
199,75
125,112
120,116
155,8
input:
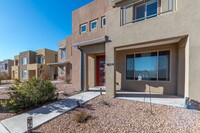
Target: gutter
x,y
81,69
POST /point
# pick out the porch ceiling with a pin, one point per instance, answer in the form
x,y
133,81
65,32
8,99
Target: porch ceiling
x,y
149,44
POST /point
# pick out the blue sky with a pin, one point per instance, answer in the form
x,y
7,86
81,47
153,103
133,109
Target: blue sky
x,y
34,24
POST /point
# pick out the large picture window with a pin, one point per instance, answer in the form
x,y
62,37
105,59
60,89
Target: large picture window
x,y
154,66
163,65
130,66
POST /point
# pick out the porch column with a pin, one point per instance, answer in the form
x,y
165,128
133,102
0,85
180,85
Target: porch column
x,y
85,71
110,72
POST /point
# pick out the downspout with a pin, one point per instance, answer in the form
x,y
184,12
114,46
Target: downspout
x,y
81,69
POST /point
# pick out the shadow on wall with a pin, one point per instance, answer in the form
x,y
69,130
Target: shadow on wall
x,y
69,73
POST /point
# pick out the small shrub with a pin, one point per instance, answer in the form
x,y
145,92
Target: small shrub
x,y
105,103
32,93
81,117
3,76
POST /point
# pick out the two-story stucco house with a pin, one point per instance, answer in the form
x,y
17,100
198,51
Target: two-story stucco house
x,y
29,64
5,66
135,45
64,63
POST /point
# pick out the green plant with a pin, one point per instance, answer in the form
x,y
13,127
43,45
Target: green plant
x,y
32,93
81,117
3,76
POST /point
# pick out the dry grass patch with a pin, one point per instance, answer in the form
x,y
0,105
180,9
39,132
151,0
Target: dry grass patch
x,y
81,117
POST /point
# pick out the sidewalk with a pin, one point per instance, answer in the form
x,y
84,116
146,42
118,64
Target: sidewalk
x,y
18,124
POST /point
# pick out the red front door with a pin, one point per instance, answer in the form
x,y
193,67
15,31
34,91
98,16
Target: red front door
x,y
100,71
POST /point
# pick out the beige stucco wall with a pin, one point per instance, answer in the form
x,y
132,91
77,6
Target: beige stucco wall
x,y
86,14
183,22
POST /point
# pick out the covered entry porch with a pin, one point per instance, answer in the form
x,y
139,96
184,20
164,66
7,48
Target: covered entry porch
x,y
92,63
157,67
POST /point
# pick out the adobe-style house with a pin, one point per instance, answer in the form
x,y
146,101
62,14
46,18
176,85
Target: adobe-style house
x,y
135,45
29,64
5,66
64,63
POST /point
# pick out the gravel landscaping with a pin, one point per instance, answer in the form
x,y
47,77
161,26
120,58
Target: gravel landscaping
x,y
108,115
65,89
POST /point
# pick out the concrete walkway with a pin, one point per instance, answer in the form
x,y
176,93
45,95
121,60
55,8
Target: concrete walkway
x,y
18,124
155,98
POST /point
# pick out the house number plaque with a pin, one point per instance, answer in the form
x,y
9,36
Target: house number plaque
x,y
110,64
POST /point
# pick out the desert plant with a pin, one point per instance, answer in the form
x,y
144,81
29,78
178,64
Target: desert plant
x,y
81,117
32,93
3,76
105,103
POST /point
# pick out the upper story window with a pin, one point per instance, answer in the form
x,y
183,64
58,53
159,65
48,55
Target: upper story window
x,y
83,28
24,61
6,67
16,62
40,60
93,25
138,10
147,10
103,21
63,53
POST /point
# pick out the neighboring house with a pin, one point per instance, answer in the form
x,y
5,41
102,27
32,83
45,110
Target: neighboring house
x,y
5,66
31,64
64,63
137,45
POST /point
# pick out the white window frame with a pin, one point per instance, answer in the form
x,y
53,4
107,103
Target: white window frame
x,y
102,19
94,21
24,63
85,28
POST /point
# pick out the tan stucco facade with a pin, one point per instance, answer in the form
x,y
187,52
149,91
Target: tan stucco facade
x,y
5,67
181,23
176,31
33,67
